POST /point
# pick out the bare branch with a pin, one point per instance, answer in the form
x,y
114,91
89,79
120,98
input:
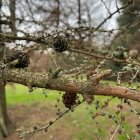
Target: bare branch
x,y
64,84
115,12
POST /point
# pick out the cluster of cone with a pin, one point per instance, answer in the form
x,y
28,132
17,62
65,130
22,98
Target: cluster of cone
x,y
60,44
21,57
69,99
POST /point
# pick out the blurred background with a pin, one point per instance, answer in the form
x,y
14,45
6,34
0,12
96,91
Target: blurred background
x,y
104,27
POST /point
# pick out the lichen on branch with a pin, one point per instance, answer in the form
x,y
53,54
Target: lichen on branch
x,y
92,87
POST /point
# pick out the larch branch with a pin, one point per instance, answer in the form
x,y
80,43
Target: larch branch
x,y
63,84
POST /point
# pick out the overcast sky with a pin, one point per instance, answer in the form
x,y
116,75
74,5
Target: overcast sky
x,y
97,9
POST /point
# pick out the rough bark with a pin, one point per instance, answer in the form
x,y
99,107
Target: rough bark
x,y
4,119
1,136
3,111
64,84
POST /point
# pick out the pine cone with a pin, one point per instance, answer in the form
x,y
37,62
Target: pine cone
x,y
69,99
60,44
23,60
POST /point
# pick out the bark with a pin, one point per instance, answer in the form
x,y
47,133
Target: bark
x,y
12,7
79,12
1,136
79,17
3,112
4,120
58,14
64,84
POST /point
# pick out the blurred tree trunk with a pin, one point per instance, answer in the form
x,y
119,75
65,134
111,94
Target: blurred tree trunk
x,y
79,17
12,7
3,108
79,12
130,16
58,14
4,120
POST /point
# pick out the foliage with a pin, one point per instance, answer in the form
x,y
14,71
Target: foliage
x,y
130,16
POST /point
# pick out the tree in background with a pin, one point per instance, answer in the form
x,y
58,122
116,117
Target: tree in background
x,y
130,16
3,106
39,25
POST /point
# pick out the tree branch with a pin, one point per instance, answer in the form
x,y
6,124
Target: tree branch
x,y
63,84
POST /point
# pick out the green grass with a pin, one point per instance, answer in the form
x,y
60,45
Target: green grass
x,y
19,94
81,120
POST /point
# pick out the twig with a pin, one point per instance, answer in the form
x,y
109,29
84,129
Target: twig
x,y
22,134
115,132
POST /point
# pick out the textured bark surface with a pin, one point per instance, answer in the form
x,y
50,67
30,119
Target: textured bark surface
x,y
5,123
3,109
64,84
4,120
